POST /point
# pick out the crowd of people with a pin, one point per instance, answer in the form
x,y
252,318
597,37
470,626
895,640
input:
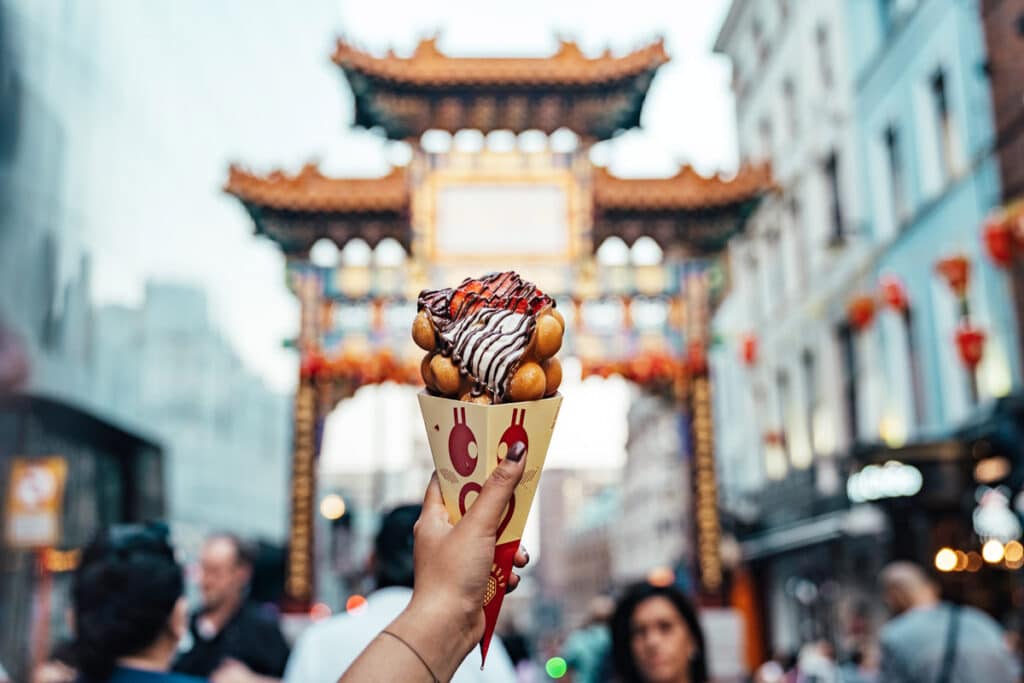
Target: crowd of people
x,y
132,626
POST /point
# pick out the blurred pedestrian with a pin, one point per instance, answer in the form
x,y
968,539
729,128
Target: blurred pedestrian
x,y
656,637
59,667
930,641
129,609
233,640
815,664
587,650
327,648
862,665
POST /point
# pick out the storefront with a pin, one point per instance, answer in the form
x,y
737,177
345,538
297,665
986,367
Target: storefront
x,y
64,473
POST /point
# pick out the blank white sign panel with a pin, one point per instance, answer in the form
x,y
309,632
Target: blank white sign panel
x,y
502,219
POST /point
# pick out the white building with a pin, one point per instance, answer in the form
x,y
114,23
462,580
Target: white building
x,y
652,529
793,270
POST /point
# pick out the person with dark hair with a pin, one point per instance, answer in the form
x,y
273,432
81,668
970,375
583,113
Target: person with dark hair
x,y
656,637
129,610
233,640
326,649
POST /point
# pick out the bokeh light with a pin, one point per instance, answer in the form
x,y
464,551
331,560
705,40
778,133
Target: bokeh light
x,y
661,577
319,611
992,552
974,562
945,560
356,604
332,506
1014,552
556,667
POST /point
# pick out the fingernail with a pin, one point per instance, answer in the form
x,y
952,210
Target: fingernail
x,y
517,451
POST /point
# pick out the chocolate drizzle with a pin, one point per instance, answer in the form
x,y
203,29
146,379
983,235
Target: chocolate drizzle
x,y
485,325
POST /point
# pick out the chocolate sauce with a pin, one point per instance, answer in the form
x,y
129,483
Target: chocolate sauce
x,y
485,325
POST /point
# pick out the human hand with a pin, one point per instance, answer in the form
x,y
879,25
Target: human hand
x,y
453,563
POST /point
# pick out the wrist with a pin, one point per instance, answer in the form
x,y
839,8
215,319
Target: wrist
x,y
441,635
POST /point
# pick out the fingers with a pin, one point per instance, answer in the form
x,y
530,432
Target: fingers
x,y
522,558
513,583
432,500
486,512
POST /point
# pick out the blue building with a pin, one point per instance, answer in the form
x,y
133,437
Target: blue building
x,y
930,177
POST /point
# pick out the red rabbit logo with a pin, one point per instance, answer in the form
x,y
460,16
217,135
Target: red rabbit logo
x,y
515,432
473,487
459,441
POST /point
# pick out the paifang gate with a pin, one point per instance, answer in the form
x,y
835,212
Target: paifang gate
x,y
499,176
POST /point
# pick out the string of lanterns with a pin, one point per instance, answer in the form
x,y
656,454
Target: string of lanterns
x,y
359,368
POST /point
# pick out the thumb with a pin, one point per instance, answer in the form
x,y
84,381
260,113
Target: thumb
x,y
485,514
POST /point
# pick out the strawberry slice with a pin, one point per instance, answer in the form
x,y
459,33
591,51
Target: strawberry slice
x,y
505,290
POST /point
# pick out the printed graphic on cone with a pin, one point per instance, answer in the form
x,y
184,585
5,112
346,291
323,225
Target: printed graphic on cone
x,y
467,441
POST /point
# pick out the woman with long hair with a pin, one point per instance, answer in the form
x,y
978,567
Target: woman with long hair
x,y
129,610
656,637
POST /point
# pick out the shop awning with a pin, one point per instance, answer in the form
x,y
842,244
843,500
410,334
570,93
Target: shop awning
x,y
860,520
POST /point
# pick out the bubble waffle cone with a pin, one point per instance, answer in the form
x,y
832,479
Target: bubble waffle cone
x,y
467,441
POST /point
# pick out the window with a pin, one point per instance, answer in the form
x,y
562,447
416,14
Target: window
x,y
831,172
811,395
885,15
792,114
824,56
848,360
776,266
894,160
767,138
946,141
799,241
782,391
760,44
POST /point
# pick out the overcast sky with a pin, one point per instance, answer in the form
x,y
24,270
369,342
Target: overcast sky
x,y
194,85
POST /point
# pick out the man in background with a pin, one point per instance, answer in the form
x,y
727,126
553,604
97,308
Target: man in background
x,y
233,641
327,648
930,641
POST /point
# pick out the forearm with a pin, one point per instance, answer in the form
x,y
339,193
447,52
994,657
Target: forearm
x,y
421,630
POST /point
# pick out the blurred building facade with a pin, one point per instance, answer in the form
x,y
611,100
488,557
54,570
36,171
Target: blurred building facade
x,y
589,546
165,365
652,529
159,370
562,497
881,140
1004,38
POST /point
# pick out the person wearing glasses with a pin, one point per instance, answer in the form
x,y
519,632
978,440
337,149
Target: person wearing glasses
x,y
128,606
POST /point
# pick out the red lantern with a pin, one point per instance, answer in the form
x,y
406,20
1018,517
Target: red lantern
x,y
860,311
312,364
970,342
696,358
748,349
999,240
957,271
894,294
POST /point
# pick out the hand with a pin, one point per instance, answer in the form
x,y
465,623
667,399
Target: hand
x,y
453,563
